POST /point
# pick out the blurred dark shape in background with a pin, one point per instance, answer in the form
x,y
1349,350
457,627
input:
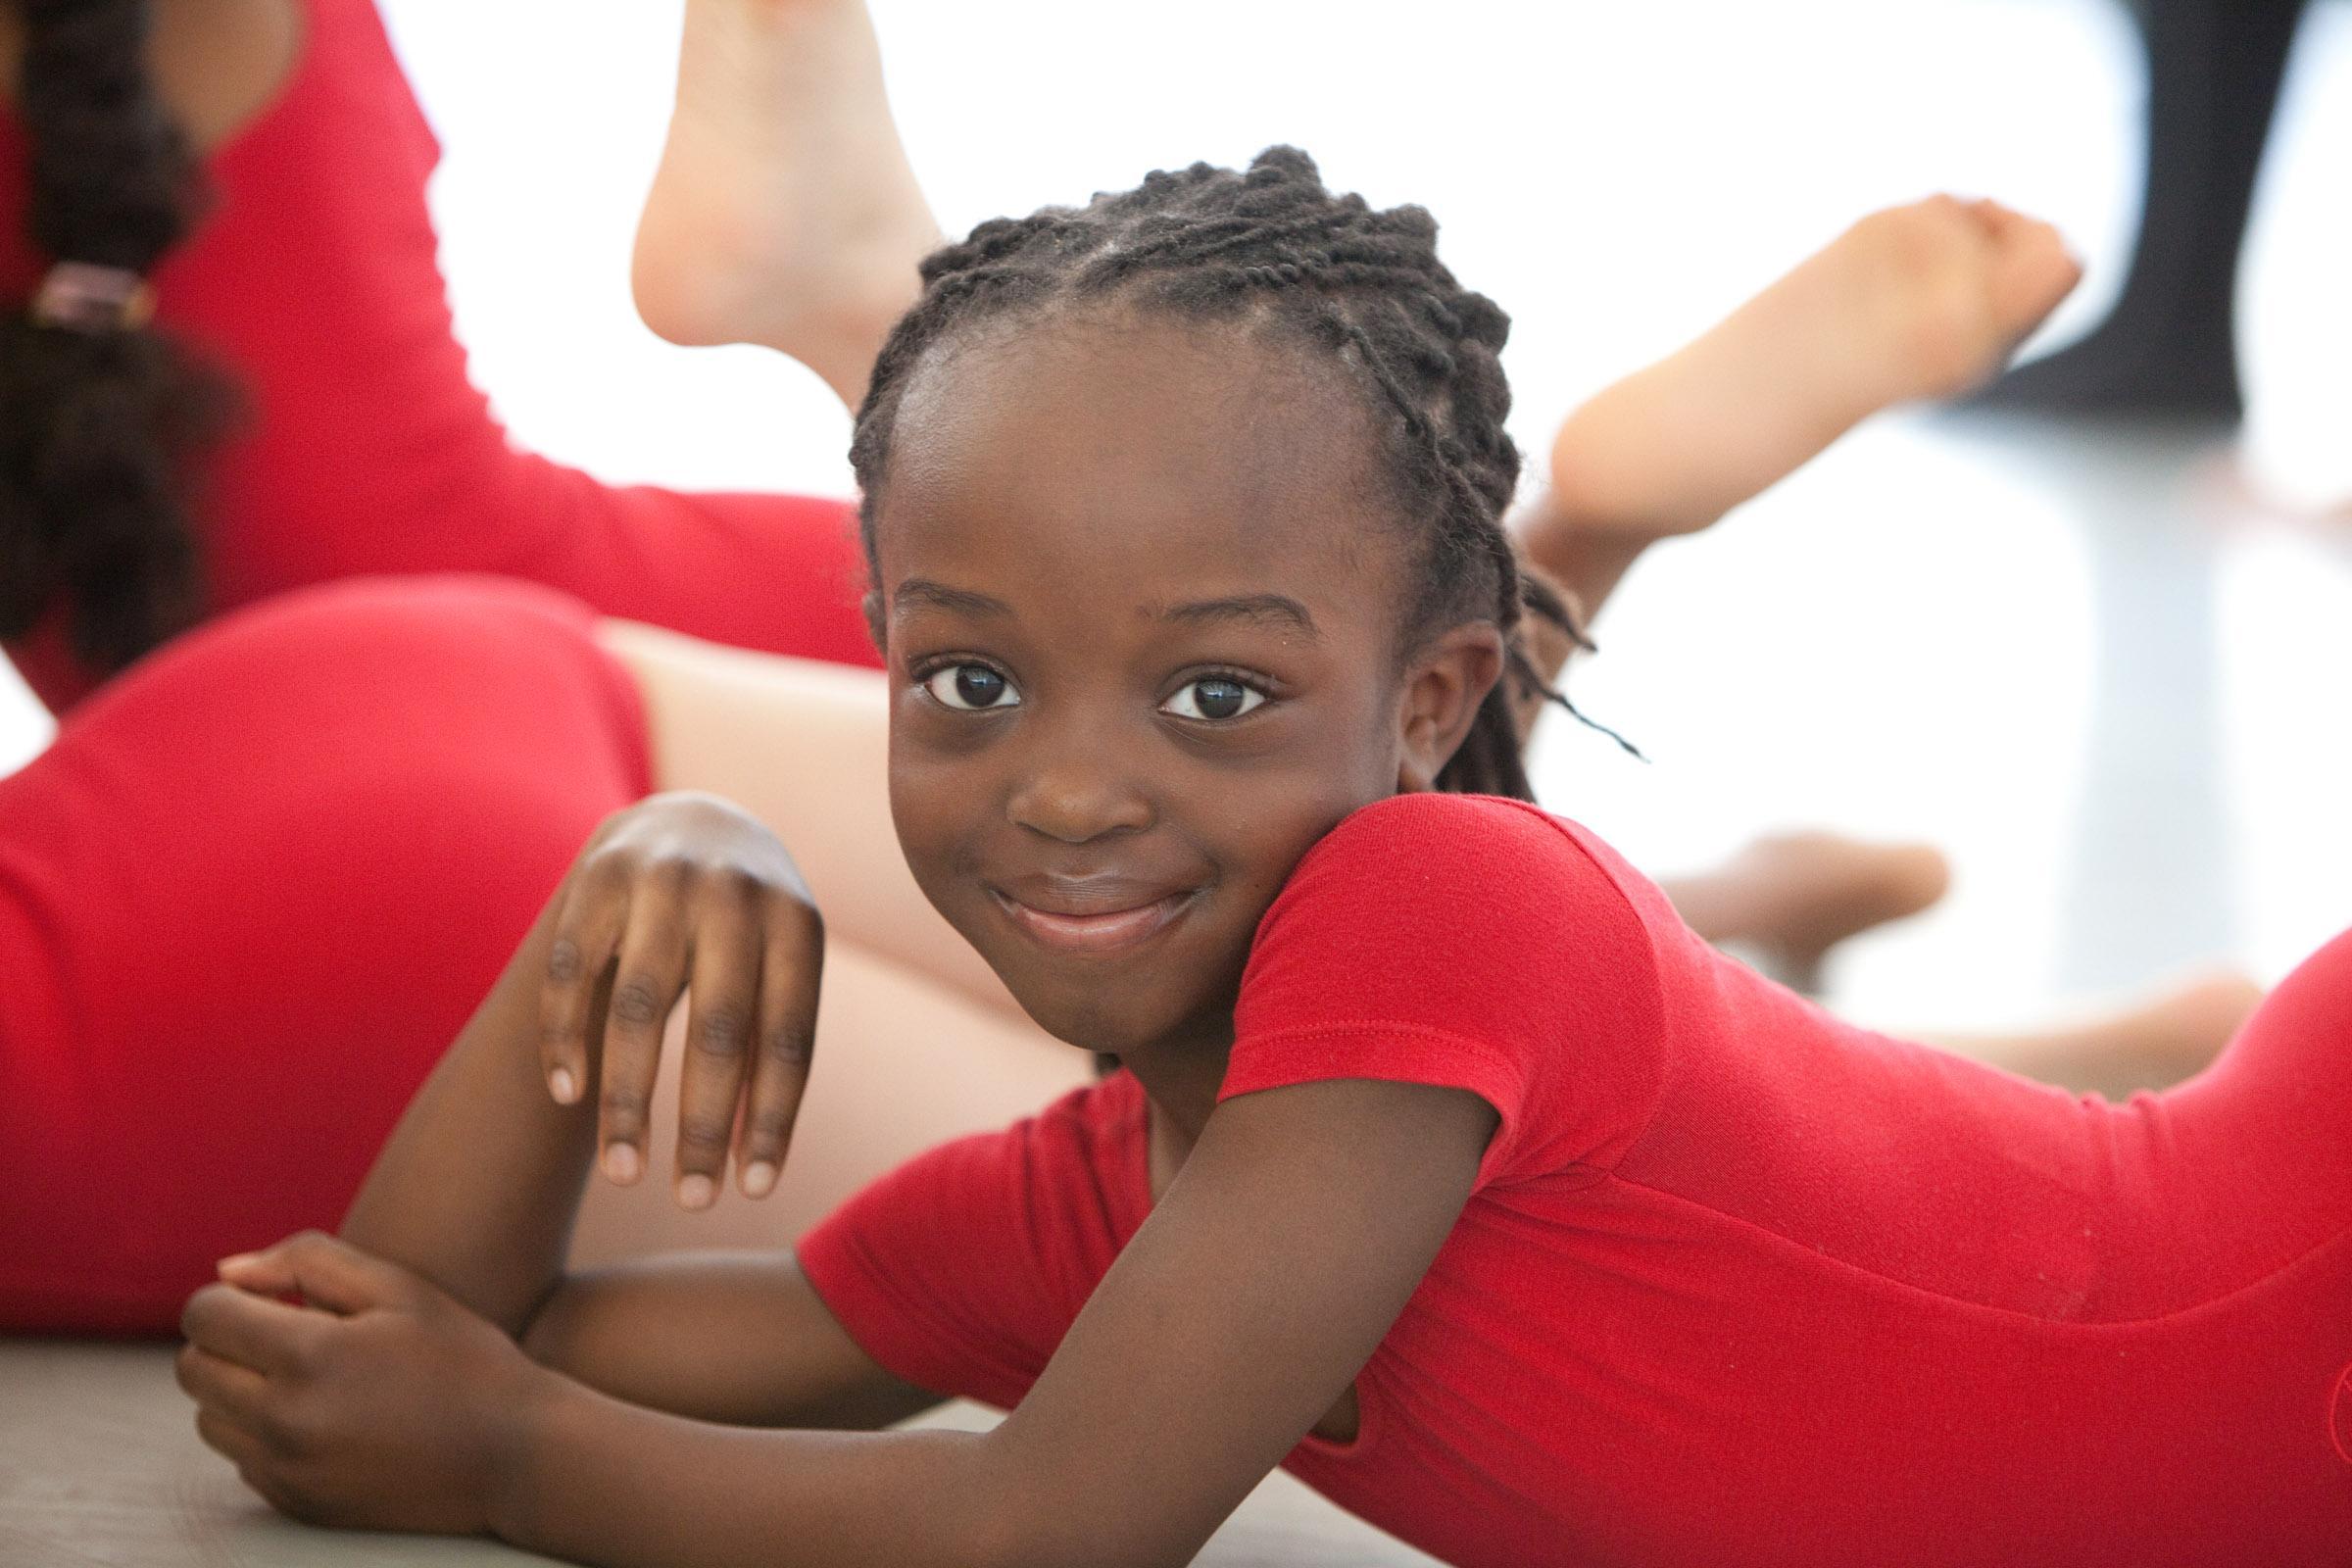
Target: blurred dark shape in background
x,y
2169,348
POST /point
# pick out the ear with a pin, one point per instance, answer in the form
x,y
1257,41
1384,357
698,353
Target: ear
x,y
1439,699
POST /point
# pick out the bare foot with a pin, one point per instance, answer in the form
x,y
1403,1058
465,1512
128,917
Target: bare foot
x,y
2172,1035
1922,301
785,212
1784,900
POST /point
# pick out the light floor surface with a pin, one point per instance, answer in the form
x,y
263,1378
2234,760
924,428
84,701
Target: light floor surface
x,y
100,1467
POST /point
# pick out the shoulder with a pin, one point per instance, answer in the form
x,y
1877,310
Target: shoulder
x,y
1466,860
1471,942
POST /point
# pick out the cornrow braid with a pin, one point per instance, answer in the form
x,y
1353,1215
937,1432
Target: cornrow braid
x,y
98,425
1273,245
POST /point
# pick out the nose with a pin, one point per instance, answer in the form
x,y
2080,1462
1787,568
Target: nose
x,y
1078,789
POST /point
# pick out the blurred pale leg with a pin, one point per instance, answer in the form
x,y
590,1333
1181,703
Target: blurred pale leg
x,y
917,1041
903,1064
804,746
2173,1034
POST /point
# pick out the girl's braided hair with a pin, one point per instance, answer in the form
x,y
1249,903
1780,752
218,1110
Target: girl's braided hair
x,y
1274,245
98,427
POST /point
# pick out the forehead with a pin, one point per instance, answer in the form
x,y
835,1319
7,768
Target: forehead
x,y
1158,451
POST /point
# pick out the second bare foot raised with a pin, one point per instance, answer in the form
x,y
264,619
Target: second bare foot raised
x,y
1786,900
1920,301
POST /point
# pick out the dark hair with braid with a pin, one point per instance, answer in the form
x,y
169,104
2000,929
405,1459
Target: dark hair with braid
x,y
1272,246
98,427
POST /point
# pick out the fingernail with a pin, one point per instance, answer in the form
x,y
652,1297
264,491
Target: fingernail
x,y
238,1260
695,1192
759,1177
564,1086
621,1163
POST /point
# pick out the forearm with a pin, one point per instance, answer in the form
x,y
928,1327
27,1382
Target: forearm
x,y
599,1480
477,1187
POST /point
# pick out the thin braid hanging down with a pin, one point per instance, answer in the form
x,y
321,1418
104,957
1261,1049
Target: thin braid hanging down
x,y
1273,244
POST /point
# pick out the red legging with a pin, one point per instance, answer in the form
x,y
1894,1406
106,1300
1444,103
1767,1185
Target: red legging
x,y
247,899
367,450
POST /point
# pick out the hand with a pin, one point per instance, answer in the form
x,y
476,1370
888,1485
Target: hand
x,y
380,1405
678,892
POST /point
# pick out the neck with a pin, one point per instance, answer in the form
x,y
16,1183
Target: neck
x,y
1180,1074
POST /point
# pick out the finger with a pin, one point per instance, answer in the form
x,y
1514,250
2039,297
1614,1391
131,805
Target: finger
x,y
791,971
579,952
646,982
256,1331
233,1441
722,1013
226,1389
328,1271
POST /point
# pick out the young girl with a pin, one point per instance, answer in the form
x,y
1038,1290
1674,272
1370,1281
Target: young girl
x,y
1446,1167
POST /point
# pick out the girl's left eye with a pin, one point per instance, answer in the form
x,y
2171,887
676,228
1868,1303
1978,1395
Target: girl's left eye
x,y
1214,696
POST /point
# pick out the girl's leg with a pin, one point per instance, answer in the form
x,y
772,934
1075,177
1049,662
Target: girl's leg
x,y
247,898
902,1065
785,212
1914,301
804,746
2171,1035
917,1042
206,1034
1921,301
1786,900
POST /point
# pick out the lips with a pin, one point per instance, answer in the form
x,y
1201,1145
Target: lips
x,y
1102,916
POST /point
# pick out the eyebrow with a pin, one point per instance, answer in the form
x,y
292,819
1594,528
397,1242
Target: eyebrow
x,y
923,591
1278,608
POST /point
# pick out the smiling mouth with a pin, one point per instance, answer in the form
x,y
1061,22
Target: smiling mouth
x,y
1104,931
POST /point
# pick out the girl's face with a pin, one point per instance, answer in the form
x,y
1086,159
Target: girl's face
x,y
1139,584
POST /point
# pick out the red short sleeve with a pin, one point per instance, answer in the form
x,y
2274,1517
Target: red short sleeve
x,y
1471,943
961,1270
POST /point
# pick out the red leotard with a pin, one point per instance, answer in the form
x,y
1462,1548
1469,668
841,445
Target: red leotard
x,y
1738,1282
249,897
367,450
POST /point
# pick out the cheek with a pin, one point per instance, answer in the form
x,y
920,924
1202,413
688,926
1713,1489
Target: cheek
x,y
1262,825
933,805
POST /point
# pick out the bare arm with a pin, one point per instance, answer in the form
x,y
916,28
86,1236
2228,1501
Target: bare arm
x,y
485,1139
397,1397
1294,1236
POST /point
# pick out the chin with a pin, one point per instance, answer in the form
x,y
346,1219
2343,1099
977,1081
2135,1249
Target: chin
x,y
1094,1017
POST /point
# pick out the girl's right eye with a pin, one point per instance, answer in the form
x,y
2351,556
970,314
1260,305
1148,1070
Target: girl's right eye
x,y
970,688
